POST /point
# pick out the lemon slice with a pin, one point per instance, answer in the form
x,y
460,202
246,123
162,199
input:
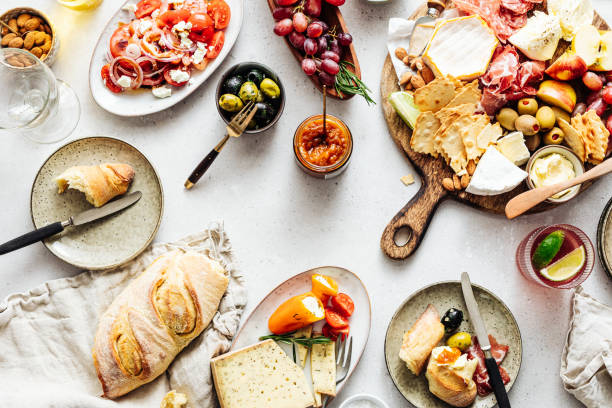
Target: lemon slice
x,y
80,4
566,267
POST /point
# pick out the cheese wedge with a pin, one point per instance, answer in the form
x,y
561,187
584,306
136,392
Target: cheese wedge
x,y
323,368
302,351
256,375
513,147
539,38
495,174
461,47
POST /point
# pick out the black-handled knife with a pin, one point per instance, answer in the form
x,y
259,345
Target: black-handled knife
x,y
483,337
79,219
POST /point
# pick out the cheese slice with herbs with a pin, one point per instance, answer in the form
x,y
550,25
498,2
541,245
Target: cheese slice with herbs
x,y
302,351
260,376
323,368
461,47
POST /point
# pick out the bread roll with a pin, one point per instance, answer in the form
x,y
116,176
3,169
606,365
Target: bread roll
x,y
453,382
423,336
154,318
99,183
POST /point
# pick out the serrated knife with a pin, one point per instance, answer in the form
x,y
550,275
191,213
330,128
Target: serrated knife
x,y
79,219
483,338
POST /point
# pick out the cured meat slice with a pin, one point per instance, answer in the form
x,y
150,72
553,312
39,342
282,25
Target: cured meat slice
x,y
481,376
503,69
517,6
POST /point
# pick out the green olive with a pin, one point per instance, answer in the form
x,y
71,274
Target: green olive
x,y
554,137
546,117
230,103
561,114
506,117
270,88
527,124
249,92
527,106
461,340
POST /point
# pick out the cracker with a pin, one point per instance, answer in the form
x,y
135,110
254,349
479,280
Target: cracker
x,y
594,135
447,116
573,138
407,179
425,128
489,136
435,95
469,93
451,142
469,134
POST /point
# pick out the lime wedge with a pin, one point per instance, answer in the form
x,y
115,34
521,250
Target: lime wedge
x,y
403,103
566,267
548,248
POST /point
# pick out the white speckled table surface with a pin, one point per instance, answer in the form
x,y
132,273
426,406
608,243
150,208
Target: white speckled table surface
x,y
282,221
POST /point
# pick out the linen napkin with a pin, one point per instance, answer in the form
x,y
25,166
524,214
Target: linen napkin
x,y
586,363
46,336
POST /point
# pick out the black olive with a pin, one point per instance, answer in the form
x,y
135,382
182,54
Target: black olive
x,y
232,85
452,319
255,76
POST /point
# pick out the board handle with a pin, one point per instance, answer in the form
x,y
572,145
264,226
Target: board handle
x,y
415,216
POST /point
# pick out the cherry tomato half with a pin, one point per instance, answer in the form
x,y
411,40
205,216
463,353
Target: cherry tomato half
x,y
120,40
214,48
146,7
105,73
220,12
202,28
172,17
343,304
333,334
335,319
169,79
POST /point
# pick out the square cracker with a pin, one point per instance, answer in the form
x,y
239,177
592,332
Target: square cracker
x,y
573,138
469,134
469,93
447,116
451,142
435,95
425,128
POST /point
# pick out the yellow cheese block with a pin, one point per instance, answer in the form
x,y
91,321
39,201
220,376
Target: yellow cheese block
x,y
461,47
323,368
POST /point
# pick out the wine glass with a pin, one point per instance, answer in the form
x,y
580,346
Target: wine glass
x,y
32,100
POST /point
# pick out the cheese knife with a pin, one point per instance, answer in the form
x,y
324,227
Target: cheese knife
x,y
434,9
483,338
79,219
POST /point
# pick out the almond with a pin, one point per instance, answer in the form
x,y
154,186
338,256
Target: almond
x,y
14,62
16,42
7,38
406,60
405,78
401,53
427,74
417,81
36,51
13,24
471,167
465,181
447,183
456,182
30,39
21,20
32,24
40,37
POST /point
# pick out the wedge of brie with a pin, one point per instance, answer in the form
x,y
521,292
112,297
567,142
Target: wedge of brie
x,y
495,174
572,14
513,147
539,38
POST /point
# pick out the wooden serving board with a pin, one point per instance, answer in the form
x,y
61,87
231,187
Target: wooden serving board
x,y
416,215
332,16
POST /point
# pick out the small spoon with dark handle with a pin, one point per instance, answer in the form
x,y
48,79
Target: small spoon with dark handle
x,y
529,199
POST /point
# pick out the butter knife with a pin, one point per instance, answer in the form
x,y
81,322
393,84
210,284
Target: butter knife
x,y
79,219
483,338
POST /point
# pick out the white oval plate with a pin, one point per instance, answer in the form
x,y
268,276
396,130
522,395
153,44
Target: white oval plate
x,y
142,102
256,325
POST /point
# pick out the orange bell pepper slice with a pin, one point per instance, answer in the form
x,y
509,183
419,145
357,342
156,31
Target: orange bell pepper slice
x,y
323,287
295,313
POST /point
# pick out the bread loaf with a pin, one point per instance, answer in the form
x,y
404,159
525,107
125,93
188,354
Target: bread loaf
x,y
154,318
100,183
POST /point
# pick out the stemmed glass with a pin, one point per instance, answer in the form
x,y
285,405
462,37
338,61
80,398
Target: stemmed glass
x,y
32,100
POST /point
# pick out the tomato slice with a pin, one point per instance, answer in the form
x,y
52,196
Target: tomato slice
x,y
172,17
146,7
202,28
220,12
105,73
172,82
335,319
120,40
333,334
215,46
343,304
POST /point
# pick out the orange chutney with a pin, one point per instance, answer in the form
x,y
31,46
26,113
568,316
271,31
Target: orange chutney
x,y
323,151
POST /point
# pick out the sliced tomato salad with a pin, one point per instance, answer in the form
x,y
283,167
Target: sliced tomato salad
x,y
162,37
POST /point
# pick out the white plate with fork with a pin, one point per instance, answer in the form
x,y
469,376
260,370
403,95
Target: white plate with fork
x,y
256,325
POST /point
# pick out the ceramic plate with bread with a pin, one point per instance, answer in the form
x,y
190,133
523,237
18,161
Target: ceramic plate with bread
x,y
88,173
432,352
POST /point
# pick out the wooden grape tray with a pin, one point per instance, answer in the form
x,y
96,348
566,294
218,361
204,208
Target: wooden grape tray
x,y
416,215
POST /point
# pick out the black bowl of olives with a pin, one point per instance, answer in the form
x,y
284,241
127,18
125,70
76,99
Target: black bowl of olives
x,y
251,81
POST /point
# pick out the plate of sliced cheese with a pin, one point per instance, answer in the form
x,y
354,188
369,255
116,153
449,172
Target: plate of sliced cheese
x,y
296,364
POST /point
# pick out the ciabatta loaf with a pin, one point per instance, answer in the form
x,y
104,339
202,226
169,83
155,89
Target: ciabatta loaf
x,y
154,318
100,183
423,336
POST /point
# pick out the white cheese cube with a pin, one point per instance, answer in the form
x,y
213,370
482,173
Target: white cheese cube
x,y
161,92
124,81
513,148
179,76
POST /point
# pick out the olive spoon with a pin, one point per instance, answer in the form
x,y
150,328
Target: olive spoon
x,y
529,199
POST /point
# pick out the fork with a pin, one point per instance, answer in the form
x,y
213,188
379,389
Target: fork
x,y
235,128
343,362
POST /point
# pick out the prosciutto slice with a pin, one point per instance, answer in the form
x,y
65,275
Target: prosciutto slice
x,y
481,376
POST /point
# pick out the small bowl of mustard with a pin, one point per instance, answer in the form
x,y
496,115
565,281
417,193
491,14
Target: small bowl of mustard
x,y
552,165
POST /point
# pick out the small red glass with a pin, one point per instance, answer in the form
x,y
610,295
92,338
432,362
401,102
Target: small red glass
x,y
574,238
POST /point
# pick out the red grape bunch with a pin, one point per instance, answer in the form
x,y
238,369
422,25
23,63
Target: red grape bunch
x,y
320,45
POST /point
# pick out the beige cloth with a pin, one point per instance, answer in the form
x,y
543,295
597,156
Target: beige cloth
x,y
46,336
586,363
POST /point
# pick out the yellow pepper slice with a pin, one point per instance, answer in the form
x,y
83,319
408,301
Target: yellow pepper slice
x,y
323,286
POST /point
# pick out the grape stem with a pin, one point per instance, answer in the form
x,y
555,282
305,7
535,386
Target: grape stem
x,y
348,83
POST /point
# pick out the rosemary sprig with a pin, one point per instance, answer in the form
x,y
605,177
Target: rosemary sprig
x,y
302,341
348,83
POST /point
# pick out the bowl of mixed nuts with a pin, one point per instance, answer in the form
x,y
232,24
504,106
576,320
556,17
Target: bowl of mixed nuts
x,y
30,30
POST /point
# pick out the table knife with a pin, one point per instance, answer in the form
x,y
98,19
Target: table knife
x,y
79,219
483,338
